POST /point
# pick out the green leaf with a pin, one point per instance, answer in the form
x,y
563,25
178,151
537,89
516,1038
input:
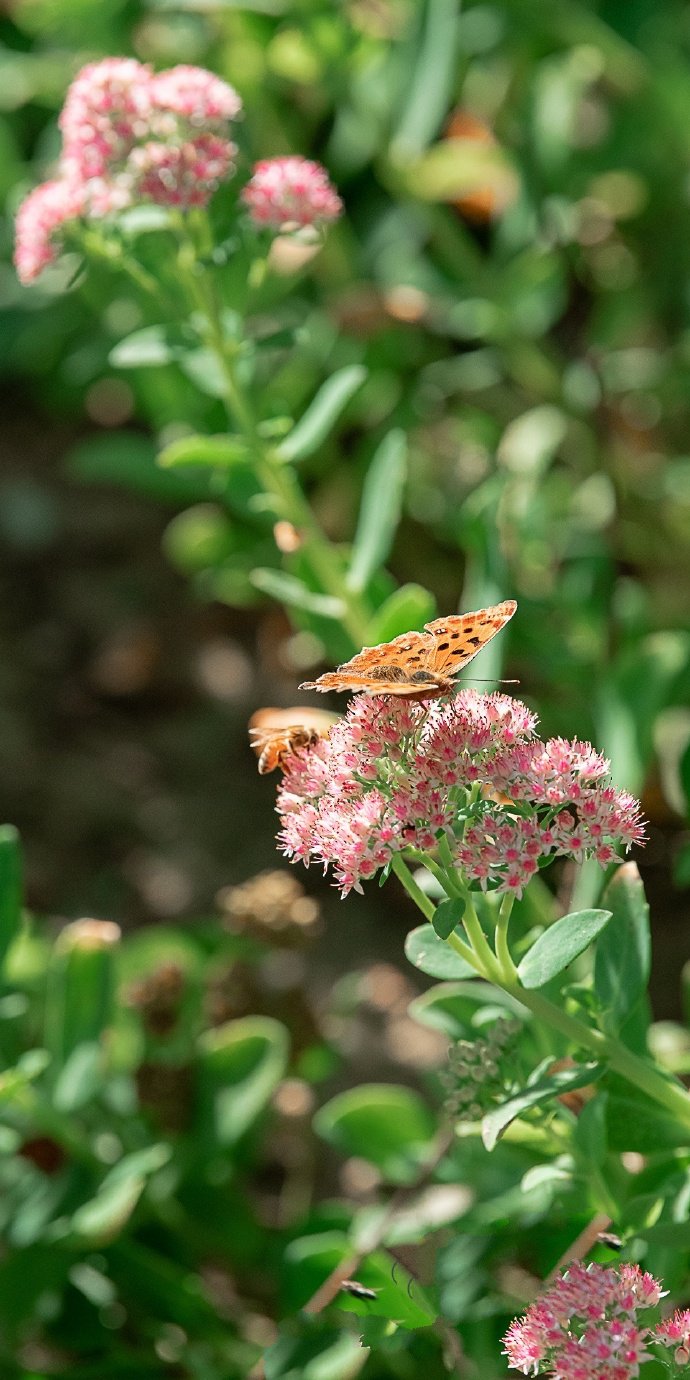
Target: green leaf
x,y
219,451
323,413
558,946
142,220
388,1125
429,89
634,1122
546,1089
429,953
409,607
80,1079
447,917
129,459
380,509
102,1219
287,589
530,441
144,348
323,1355
311,1259
623,959
591,1138
29,1067
202,537
204,369
241,1065
453,1007
10,888
80,987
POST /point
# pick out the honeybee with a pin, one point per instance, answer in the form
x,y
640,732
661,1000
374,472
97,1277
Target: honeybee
x,y
276,734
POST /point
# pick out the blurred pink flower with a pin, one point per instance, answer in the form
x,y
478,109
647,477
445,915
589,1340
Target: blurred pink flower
x,y
585,1326
393,774
288,193
106,110
196,95
40,218
129,134
181,174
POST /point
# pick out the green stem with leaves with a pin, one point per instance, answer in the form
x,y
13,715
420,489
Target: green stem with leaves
x,y
502,973
277,478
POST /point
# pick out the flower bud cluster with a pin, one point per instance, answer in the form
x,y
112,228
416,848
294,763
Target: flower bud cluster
x,y
130,135
476,1074
394,774
290,193
586,1326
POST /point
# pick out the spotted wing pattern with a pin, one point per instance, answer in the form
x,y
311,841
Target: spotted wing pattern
x,y
419,665
458,638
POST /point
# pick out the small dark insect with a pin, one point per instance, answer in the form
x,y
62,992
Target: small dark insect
x,y
357,1290
608,1238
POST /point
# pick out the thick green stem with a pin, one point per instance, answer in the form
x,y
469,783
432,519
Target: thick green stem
x,y
478,939
501,946
455,942
277,479
635,1070
402,872
622,1060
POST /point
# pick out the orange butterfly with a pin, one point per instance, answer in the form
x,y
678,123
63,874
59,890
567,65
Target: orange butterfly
x,y
276,734
419,665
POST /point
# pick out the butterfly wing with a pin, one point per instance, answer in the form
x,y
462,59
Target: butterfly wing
x,y
392,668
457,638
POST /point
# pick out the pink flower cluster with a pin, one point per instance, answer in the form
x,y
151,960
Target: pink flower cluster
x,y
290,193
129,135
585,1327
394,774
40,218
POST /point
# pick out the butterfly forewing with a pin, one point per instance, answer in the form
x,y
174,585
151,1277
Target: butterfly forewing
x,y
458,638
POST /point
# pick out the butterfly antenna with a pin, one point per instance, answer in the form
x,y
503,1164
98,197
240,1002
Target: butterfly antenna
x,y
409,1279
493,682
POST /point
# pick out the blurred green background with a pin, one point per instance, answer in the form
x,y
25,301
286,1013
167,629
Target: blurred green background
x,y
521,300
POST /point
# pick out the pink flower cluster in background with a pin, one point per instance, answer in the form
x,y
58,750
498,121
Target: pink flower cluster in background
x,y
290,193
130,134
394,774
586,1326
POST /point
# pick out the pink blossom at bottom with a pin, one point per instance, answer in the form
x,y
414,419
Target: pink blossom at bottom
x,y
40,218
287,193
586,1326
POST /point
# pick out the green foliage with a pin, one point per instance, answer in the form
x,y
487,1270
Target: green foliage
x,y
563,942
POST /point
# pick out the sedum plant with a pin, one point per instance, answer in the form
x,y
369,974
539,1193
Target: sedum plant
x,y
136,1240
